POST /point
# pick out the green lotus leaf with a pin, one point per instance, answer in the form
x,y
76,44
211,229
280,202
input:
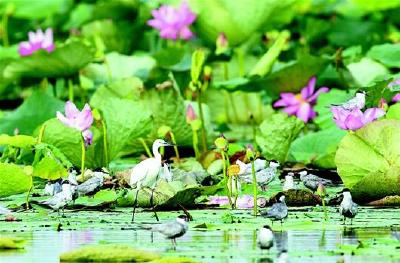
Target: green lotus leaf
x,y
368,160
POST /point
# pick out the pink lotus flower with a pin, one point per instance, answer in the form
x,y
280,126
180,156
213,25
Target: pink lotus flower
x,y
190,114
355,119
301,104
244,202
79,120
173,23
396,98
38,40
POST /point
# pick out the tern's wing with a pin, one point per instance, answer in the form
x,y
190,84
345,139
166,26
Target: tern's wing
x,y
4,211
169,229
354,209
277,209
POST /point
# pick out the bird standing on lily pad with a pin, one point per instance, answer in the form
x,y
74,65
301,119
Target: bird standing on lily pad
x,y
348,209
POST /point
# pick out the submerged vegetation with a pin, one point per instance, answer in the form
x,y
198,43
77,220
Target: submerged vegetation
x,y
234,113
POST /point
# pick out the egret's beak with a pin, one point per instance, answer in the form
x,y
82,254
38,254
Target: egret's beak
x,y
169,144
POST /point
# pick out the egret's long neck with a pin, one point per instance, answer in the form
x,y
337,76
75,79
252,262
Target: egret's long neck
x,y
156,154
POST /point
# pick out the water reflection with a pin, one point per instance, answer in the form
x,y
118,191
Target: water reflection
x,y
205,246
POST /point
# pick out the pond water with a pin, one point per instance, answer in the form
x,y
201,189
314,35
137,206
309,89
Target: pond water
x,y
304,241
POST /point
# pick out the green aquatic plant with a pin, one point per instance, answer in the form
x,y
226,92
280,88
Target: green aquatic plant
x,y
222,145
199,86
195,124
250,154
321,191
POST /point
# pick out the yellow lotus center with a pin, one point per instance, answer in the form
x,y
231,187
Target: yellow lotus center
x,y
300,98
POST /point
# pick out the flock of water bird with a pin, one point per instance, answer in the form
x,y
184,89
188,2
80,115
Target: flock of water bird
x,y
148,172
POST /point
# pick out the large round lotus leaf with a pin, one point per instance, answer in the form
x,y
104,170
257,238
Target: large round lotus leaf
x,y
13,180
64,61
368,160
237,19
68,140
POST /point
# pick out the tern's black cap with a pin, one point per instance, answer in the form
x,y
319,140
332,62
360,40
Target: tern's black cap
x,y
184,217
267,227
345,190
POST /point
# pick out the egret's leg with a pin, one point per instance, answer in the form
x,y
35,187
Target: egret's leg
x,y
134,205
152,205
351,221
174,244
344,220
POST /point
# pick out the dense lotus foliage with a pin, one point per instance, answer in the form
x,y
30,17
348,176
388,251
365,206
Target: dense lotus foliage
x,y
167,105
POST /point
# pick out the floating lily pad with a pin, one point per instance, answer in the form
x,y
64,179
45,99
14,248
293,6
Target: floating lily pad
x,y
7,243
368,160
101,198
108,253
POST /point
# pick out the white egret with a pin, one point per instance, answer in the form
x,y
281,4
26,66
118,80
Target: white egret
x,y
145,173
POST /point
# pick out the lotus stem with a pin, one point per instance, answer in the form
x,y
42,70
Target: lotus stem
x,y
41,133
230,97
83,158
4,26
324,207
70,91
224,171
253,172
237,190
146,148
203,128
175,146
105,144
27,197
195,144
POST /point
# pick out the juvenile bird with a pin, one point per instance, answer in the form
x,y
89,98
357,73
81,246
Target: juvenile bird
x,y
4,211
289,183
357,102
61,199
347,207
92,185
312,181
264,176
278,211
171,230
265,237
52,188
